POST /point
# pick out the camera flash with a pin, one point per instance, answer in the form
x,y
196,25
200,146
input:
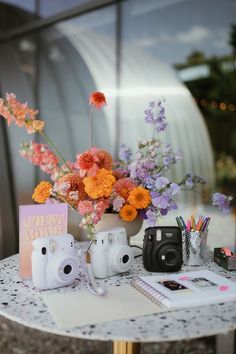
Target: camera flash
x,y
158,235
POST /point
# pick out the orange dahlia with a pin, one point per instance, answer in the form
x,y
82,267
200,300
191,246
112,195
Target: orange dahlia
x,y
75,188
97,99
123,187
42,192
128,212
99,185
139,198
105,159
87,163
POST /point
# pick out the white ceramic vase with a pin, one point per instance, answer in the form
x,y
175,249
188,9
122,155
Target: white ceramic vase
x,y
110,220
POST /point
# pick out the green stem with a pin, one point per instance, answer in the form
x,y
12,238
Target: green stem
x,y
91,126
46,138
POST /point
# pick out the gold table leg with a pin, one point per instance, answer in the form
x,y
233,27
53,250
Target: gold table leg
x,y
126,348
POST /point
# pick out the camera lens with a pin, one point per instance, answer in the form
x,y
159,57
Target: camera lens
x,y
67,269
125,258
171,257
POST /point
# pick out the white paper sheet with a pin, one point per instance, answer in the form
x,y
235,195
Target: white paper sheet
x,y
83,308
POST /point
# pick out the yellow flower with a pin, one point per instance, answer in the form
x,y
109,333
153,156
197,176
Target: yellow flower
x,y
38,125
42,192
33,126
128,212
139,198
100,185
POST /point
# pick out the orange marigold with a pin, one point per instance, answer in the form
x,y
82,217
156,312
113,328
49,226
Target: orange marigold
x,y
42,192
128,212
139,197
99,185
97,99
123,187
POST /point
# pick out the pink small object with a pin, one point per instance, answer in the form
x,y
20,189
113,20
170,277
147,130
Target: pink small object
x,y
223,287
184,277
189,225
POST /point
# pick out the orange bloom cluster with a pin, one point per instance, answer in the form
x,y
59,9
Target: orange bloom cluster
x,y
100,185
42,192
88,185
92,160
97,99
128,212
137,198
124,186
70,188
104,158
14,111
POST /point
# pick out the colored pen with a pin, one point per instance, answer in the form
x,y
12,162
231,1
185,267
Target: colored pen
x,y
178,223
193,225
189,225
200,223
183,223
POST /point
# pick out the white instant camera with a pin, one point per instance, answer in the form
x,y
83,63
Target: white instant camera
x,y
110,254
55,262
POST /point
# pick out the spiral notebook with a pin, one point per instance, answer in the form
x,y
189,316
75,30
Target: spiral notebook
x,y
186,289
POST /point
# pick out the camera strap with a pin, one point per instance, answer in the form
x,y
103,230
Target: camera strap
x,y
93,285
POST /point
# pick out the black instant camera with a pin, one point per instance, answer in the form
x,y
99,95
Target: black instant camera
x,y
162,249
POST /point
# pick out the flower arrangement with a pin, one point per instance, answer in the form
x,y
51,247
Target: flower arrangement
x,y
135,186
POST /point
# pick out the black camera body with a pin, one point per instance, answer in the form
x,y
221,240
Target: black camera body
x,y
162,249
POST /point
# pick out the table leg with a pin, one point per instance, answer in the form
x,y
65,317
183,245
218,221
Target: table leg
x,y
225,343
126,348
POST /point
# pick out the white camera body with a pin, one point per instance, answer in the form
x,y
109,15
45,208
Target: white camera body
x,y
111,254
55,262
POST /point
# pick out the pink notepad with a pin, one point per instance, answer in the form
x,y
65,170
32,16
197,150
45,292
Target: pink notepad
x,y
38,221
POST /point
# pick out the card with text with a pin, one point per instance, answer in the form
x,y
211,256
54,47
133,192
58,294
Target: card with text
x,y
38,221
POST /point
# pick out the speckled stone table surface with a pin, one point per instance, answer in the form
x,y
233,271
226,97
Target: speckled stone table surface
x,y
22,303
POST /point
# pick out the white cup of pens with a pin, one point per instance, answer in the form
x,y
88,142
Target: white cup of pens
x,y
194,239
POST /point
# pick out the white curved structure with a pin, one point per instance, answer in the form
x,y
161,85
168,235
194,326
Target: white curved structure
x,y
143,79
72,64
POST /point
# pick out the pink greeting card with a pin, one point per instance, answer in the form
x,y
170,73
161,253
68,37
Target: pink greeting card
x,y
38,221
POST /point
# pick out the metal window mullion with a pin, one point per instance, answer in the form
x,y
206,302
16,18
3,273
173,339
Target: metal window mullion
x,y
44,23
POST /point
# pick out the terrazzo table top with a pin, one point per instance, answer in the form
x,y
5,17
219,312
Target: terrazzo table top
x,y
21,302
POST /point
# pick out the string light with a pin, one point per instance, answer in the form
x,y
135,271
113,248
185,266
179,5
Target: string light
x,y
222,106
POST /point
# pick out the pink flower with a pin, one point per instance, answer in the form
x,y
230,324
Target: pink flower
x,y
40,155
101,205
87,164
118,203
85,207
4,111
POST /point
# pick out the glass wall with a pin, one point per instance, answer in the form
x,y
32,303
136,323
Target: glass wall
x,y
135,52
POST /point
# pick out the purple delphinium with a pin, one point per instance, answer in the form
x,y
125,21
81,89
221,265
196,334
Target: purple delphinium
x,y
222,201
155,115
125,153
161,182
174,189
160,200
151,217
191,180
